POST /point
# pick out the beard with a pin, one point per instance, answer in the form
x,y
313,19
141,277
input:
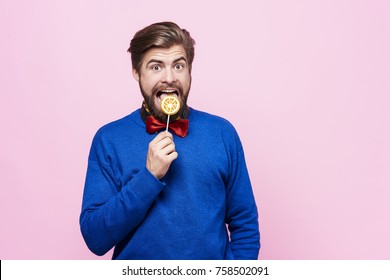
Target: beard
x,y
156,111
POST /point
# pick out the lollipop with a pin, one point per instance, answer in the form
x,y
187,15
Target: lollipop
x,y
170,105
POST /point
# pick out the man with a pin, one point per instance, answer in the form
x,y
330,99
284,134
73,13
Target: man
x,y
156,195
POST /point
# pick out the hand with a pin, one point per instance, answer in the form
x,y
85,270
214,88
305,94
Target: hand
x,y
161,153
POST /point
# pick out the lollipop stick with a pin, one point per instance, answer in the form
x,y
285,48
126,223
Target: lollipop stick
x,y
167,123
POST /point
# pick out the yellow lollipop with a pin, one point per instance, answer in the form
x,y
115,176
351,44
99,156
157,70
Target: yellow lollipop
x,y
170,105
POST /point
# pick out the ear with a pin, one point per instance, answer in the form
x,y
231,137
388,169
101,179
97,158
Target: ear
x,y
135,75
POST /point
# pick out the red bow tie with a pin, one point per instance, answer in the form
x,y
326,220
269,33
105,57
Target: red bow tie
x,y
179,127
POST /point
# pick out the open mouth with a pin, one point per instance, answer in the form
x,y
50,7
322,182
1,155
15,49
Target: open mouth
x,y
162,93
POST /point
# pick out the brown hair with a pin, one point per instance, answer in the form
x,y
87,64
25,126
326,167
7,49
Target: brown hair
x,y
160,35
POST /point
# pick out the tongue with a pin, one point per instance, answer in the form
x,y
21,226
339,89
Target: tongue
x,y
166,94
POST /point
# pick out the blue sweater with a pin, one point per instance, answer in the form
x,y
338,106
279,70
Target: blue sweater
x,y
181,216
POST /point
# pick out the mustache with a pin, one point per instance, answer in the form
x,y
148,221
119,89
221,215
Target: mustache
x,y
175,86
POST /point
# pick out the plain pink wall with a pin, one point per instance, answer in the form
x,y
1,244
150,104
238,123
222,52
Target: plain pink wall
x,y
312,76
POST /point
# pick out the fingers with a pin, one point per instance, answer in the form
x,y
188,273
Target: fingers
x,y
172,156
161,136
163,142
166,144
161,153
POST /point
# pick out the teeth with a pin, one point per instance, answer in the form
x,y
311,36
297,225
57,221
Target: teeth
x,y
168,90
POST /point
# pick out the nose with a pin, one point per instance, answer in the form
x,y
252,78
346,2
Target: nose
x,y
169,76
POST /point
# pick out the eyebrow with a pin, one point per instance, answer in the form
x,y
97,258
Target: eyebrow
x,y
162,62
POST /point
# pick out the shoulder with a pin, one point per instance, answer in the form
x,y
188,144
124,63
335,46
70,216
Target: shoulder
x,y
214,121
212,126
217,130
118,127
113,135
124,122
211,122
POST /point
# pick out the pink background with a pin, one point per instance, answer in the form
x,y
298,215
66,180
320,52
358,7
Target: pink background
x,y
314,74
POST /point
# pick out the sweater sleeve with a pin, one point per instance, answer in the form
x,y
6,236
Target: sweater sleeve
x,y
110,213
241,209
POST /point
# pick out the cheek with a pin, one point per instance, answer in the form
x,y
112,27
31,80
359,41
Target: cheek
x,y
186,81
148,83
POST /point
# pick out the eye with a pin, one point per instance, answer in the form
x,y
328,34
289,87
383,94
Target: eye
x,y
179,66
155,67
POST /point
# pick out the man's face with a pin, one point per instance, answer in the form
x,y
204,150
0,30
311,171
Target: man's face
x,y
164,71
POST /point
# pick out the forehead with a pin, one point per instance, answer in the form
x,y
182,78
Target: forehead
x,y
165,55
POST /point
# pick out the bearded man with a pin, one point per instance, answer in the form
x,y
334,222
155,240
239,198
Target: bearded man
x,y
153,194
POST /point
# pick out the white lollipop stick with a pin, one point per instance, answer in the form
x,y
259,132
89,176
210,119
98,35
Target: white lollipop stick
x,y
167,123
